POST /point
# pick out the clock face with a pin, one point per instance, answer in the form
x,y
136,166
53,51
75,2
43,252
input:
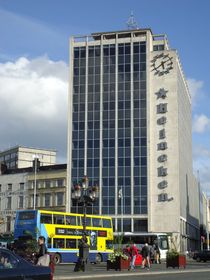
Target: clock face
x,y
162,64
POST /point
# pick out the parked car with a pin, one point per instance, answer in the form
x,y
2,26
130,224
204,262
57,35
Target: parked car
x,y
14,267
202,256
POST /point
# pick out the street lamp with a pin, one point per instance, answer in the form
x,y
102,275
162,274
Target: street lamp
x,y
120,196
86,195
35,158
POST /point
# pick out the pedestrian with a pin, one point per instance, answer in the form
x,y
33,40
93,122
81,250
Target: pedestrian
x,y
127,251
83,254
152,254
134,253
42,256
146,256
157,254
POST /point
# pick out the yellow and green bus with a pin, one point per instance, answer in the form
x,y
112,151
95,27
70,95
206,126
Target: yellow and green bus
x,y
63,231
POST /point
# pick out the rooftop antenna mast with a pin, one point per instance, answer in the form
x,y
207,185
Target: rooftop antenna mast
x,y
131,23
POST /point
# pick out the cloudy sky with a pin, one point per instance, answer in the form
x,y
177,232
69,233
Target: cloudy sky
x,y
34,55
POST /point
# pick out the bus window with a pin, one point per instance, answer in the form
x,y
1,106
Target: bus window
x,y
88,221
46,219
96,222
71,220
109,244
163,242
71,243
79,221
58,219
58,243
106,223
49,245
26,215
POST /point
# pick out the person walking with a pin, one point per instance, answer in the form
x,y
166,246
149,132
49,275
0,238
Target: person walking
x,y
146,256
157,254
134,253
42,256
82,261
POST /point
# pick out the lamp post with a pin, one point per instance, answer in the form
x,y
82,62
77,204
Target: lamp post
x,y
86,195
35,157
120,195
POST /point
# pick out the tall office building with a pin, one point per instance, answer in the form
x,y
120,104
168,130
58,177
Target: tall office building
x,y
130,132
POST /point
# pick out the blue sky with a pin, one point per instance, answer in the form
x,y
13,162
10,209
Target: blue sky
x,y
34,40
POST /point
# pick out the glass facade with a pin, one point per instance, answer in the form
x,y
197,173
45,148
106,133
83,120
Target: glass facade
x,y
109,93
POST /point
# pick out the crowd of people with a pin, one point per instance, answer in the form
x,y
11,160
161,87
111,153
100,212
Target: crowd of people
x,y
150,254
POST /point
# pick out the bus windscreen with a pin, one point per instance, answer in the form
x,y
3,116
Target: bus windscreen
x,y
26,215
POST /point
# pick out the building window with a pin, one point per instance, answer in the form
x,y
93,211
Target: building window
x,y
22,186
47,184
9,187
9,203
8,224
60,196
47,198
140,225
158,47
60,183
0,188
20,202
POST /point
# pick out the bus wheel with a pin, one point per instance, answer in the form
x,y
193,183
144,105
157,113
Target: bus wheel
x,y
98,258
57,258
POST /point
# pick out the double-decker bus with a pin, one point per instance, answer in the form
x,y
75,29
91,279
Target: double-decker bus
x,y
63,231
140,238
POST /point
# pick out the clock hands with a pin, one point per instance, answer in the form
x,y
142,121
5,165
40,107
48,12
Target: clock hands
x,y
162,64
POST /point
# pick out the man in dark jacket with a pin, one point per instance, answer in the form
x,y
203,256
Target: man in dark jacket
x,y
146,256
43,257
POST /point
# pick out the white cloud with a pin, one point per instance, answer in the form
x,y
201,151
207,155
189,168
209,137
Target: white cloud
x,y
195,88
201,123
33,103
200,151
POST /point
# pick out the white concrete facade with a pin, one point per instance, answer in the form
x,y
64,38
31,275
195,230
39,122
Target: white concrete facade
x,y
22,157
181,192
13,196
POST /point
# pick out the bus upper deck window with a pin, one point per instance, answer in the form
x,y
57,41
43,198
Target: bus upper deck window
x,y
87,221
46,219
71,220
58,219
106,223
96,222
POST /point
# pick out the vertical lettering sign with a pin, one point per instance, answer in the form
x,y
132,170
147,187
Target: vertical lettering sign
x,y
162,108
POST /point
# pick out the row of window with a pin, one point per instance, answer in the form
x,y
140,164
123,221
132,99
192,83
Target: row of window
x,y
46,200
74,220
53,183
110,50
9,187
109,152
19,200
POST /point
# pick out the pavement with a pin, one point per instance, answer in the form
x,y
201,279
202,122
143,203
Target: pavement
x,y
65,271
